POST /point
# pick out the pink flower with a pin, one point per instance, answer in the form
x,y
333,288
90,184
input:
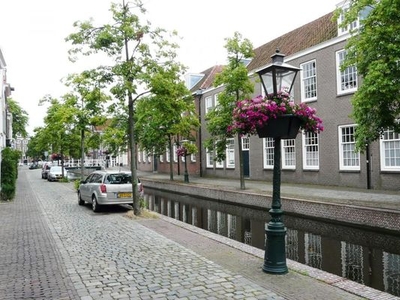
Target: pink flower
x,y
250,113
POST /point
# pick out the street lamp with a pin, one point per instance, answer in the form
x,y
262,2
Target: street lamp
x,y
275,77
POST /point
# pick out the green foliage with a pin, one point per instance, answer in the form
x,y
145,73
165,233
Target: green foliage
x,y
9,173
237,86
76,184
19,118
139,53
375,50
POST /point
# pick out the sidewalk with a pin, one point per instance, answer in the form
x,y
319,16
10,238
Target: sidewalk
x,y
358,197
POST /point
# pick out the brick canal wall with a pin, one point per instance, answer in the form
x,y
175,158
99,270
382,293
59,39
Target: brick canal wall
x,y
339,213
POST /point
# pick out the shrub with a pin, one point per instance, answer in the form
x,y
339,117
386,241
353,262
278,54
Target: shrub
x,y
9,173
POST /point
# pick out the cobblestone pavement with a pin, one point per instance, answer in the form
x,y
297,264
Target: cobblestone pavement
x,y
54,249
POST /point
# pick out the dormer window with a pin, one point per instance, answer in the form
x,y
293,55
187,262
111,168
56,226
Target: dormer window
x,y
344,5
349,28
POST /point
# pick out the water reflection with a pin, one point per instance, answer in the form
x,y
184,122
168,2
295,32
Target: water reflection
x,y
367,257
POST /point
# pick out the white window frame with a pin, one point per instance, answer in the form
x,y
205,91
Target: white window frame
x,y
139,156
230,153
167,154
288,151
175,155
268,153
308,79
216,102
209,159
344,76
161,158
354,25
144,155
350,144
209,103
310,151
390,151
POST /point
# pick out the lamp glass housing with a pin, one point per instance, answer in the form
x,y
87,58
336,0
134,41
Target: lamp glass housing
x,y
278,75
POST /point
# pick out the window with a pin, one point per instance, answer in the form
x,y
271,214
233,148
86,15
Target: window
x,y
174,148
209,159
216,102
268,153
310,151
308,78
390,151
139,156
230,153
349,159
161,158
288,154
144,153
346,79
209,103
167,154
349,28
245,144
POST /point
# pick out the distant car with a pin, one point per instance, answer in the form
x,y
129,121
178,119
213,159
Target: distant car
x,y
107,188
33,166
56,173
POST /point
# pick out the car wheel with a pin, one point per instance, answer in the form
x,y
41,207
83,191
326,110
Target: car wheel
x,y
80,201
95,205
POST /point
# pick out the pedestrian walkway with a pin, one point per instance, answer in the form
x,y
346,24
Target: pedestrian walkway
x,y
350,196
52,248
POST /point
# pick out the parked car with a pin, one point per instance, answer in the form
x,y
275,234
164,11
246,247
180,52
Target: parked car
x,y
56,173
45,169
107,188
34,166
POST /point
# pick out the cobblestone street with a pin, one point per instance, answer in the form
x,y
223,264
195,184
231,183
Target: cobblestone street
x,y
54,249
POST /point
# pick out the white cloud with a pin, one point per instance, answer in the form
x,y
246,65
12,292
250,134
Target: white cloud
x,y
32,35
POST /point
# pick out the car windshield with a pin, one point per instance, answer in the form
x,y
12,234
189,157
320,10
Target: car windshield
x,y
55,169
120,178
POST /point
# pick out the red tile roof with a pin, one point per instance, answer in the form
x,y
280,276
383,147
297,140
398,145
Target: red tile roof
x,y
306,36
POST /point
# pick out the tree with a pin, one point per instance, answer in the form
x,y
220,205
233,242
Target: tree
x,y
237,86
19,118
374,49
137,51
169,112
88,103
59,131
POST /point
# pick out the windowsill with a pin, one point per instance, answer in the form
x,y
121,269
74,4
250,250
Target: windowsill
x,y
390,171
346,93
310,170
309,100
349,171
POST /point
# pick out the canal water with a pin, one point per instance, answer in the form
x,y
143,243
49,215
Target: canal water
x,y
367,257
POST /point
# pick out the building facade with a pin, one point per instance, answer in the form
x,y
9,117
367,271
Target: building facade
x,y
328,158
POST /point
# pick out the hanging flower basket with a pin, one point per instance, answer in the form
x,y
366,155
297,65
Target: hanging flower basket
x,y
272,113
284,127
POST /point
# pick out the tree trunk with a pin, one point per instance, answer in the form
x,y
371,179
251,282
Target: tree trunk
x,y
135,196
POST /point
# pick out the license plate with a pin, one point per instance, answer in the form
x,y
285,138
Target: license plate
x,y
124,195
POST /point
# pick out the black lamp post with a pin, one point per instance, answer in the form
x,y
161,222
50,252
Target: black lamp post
x,y
275,77
185,174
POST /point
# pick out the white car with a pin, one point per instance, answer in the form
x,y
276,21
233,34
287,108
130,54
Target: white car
x,y
107,188
56,173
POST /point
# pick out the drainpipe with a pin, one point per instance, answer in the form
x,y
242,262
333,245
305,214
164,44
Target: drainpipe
x,y
199,95
368,161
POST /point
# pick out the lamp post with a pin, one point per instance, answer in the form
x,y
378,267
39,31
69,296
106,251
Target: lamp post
x,y
185,174
275,77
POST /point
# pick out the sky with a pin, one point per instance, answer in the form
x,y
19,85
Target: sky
x,y
32,36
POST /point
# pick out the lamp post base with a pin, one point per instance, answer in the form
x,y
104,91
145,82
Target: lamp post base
x,y
275,253
186,177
